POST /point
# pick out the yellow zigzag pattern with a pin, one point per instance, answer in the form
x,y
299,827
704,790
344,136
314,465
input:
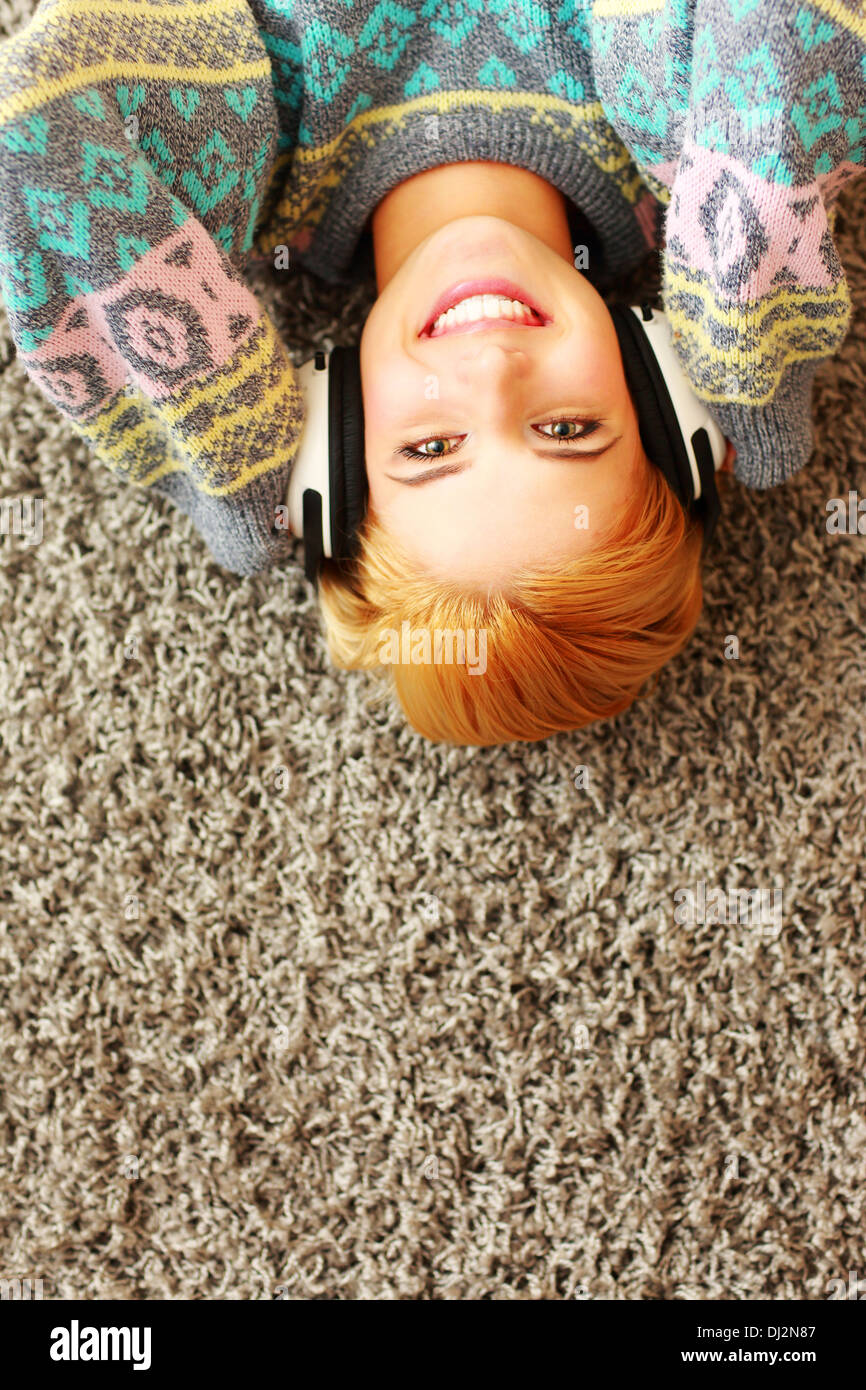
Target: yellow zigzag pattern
x,y
442,103
849,16
36,53
14,107
853,18
613,9
323,168
776,321
210,454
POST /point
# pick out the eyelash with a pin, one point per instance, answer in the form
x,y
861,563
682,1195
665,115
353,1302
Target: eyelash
x,y
591,426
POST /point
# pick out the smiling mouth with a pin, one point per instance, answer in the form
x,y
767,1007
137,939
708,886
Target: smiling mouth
x,y
473,306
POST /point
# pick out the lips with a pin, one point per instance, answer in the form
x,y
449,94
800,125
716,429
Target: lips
x,y
464,289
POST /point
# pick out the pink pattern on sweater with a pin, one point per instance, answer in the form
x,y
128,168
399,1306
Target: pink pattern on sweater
x,y
793,237
152,331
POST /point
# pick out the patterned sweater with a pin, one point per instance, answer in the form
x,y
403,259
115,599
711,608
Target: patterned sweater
x,y
151,150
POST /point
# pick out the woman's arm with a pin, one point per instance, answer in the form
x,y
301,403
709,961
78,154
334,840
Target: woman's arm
x,y
128,210
746,120
753,284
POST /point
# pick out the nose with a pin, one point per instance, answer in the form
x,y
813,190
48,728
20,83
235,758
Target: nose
x,y
490,362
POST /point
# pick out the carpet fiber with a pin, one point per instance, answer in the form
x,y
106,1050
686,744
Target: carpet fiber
x,y
293,1003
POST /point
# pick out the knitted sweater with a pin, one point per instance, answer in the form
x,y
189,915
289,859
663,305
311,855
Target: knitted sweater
x,y
150,150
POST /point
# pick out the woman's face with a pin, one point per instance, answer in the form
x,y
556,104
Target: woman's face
x,y
481,402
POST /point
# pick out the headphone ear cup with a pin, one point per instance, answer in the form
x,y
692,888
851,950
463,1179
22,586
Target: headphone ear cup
x,y
660,432
347,469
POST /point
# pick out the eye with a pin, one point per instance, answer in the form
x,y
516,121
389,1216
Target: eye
x,y
584,428
410,452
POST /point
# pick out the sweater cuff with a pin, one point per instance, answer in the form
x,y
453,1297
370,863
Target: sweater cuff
x,y
241,530
773,441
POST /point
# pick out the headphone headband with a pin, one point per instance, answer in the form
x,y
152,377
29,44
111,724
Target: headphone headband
x,y
677,430
327,495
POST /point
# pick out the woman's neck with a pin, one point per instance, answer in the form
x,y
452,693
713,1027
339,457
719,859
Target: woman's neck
x,y
419,206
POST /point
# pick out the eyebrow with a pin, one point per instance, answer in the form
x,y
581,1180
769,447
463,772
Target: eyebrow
x,y
560,454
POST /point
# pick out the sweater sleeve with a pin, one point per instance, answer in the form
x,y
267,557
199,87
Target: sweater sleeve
x,y
136,144
752,282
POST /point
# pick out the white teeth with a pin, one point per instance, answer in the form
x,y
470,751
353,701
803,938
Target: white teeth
x,y
483,306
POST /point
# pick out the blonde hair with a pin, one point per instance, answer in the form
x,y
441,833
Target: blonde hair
x,y
571,643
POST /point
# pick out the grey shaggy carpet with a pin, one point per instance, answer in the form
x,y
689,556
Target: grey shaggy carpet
x,y
297,1004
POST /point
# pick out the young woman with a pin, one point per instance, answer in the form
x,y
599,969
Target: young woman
x,y
498,164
